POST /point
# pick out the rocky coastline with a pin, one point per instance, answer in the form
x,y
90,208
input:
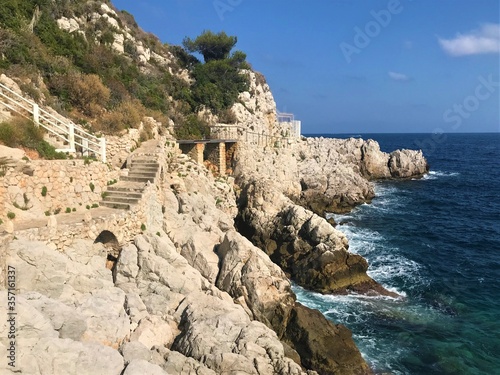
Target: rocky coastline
x,y
206,289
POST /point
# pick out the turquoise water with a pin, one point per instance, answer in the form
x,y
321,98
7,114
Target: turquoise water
x,y
436,241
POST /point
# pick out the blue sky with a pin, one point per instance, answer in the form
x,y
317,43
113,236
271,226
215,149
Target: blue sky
x,y
357,66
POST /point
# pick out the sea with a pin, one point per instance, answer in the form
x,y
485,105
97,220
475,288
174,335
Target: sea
x,y
436,242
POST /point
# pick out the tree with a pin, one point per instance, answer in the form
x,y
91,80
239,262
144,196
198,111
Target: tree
x,y
211,46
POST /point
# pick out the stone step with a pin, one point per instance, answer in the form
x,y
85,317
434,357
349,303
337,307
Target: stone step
x,y
138,179
112,204
130,200
124,194
144,166
143,170
138,189
144,162
142,174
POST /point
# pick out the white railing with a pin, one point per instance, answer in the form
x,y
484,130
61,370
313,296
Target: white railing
x,y
288,123
235,132
65,131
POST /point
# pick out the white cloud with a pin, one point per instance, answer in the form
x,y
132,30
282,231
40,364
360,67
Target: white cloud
x,y
398,76
486,39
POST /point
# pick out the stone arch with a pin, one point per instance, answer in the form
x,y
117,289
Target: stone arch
x,y
110,242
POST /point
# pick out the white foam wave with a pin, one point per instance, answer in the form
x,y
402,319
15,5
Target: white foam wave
x,y
433,175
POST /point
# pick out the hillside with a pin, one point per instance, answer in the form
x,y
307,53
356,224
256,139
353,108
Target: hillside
x,y
95,65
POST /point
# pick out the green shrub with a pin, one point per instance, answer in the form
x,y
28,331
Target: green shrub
x,y
143,227
193,128
87,207
11,215
47,213
1,221
95,205
20,132
92,187
44,191
68,210
57,211
73,209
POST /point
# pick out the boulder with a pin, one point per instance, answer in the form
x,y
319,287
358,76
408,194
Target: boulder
x,y
153,331
135,350
325,347
64,356
232,343
9,154
248,273
407,164
142,367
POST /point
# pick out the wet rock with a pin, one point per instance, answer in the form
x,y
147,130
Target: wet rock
x,y
326,347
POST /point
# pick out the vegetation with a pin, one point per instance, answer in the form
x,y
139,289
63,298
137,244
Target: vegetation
x,y
85,79
11,215
21,132
219,81
44,191
211,46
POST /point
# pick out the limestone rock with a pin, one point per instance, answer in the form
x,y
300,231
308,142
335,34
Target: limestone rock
x,y
106,319
177,363
232,343
153,331
326,347
64,356
14,154
407,164
248,272
142,367
135,350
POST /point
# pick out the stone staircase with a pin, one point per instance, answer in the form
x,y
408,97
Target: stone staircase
x,y
143,168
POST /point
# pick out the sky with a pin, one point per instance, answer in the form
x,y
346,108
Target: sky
x,y
357,66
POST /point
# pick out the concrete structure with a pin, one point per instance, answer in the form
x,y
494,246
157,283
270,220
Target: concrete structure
x,y
218,152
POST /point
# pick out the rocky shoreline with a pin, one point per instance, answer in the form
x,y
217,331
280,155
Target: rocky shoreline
x,y
206,287
197,297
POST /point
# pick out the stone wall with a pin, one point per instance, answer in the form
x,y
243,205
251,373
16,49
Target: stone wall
x,y
118,147
68,183
124,224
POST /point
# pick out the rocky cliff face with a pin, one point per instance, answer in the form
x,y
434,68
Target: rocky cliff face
x,y
286,192
194,298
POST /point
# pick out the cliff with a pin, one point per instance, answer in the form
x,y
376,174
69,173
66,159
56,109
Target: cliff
x,y
205,289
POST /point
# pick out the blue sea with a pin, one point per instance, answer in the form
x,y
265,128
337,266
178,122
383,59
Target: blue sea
x,y
436,241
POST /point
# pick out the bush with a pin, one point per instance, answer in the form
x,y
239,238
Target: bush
x,y
227,116
86,92
192,128
21,132
68,210
44,191
126,115
11,215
